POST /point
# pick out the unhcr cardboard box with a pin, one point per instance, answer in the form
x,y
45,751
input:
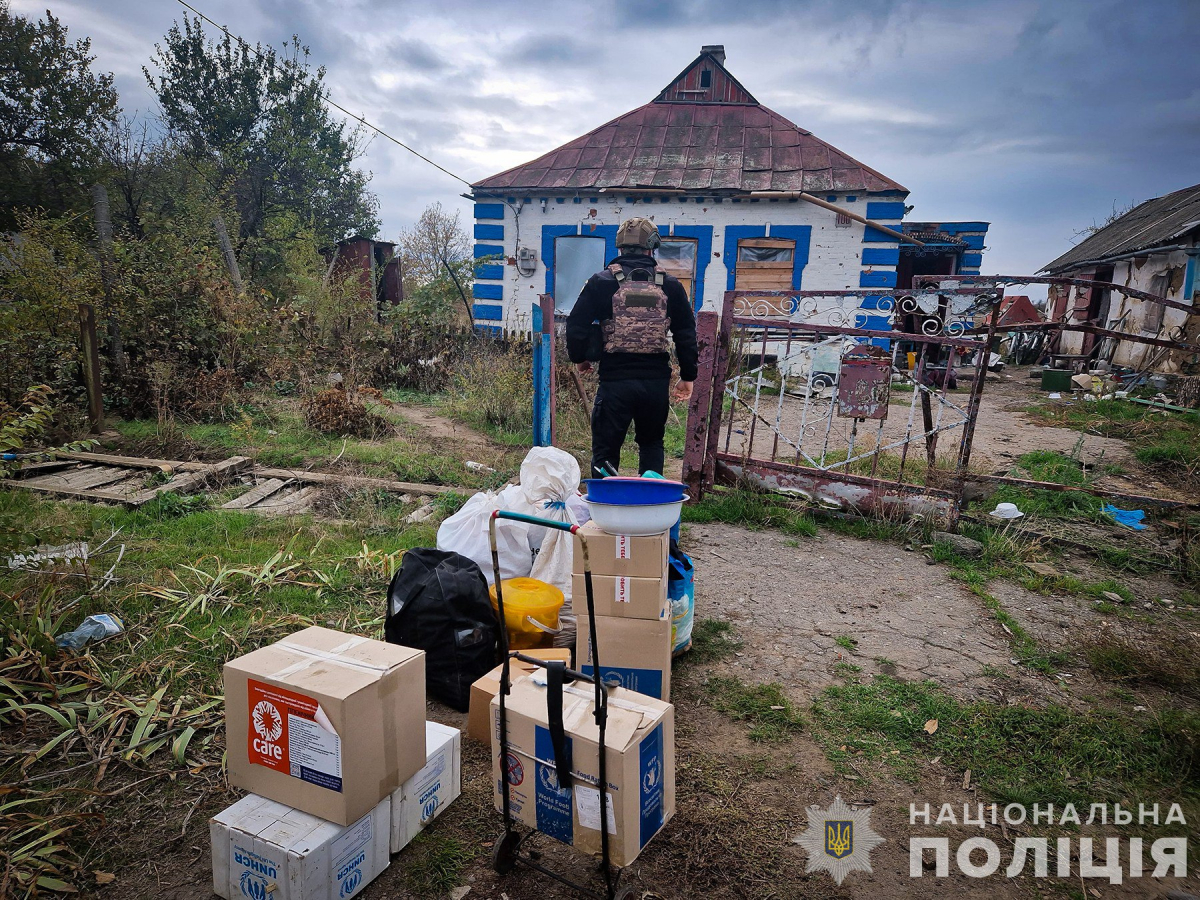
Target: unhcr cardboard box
x,y
325,722
634,653
622,596
426,794
621,554
265,850
640,740
479,722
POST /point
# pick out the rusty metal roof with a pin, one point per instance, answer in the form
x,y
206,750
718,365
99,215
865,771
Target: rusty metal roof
x,y
1153,223
702,133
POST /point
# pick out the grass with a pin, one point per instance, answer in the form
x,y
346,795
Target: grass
x,y
1051,466
1164,658
1015,753
1166,441
750,510
712,640
433,863
846,642
771,716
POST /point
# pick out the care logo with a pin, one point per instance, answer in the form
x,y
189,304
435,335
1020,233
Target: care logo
x,y
838,839
267,721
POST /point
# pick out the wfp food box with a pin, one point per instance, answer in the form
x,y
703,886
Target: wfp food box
x,y
264,850
486,687
640,758
621,554
423,797
634,653
624,596
325,722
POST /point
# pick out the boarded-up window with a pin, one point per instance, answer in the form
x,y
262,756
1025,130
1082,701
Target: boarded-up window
x,y
765,264
677,256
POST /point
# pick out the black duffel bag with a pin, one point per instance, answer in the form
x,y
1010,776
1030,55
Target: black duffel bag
x,y
438,602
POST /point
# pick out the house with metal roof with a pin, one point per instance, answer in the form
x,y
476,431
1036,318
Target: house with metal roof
x,y
1152,248
743,198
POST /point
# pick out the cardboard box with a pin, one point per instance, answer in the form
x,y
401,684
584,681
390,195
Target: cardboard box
x,y
479,722
634,653
265,850
622,596
325,722
426,794
622,554
640,748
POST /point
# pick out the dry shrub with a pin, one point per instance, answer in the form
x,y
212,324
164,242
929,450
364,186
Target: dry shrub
x,y
373,395
335,412
493,386
207,396
1166,658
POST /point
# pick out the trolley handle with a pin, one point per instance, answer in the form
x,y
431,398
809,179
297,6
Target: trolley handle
x,y
534,520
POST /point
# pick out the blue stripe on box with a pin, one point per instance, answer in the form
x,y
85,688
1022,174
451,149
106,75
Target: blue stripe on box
x,y
876,279
489,270
482,250
879,210
488,291
489,232
489,210
490,311
881,256
554,803
652,775
643,681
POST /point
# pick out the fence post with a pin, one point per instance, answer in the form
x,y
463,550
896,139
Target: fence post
x,y
543,372
695,441
91,367
104,231
231,263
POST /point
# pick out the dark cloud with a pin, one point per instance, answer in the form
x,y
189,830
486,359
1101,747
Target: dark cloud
x,y
1033,114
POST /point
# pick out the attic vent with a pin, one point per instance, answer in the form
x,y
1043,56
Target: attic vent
x,y
706,78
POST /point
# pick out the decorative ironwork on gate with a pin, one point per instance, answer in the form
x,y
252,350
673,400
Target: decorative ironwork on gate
x,y
823,394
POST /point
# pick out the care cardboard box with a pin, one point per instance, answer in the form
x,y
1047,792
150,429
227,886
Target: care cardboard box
x,y
640,756
621,596
634,653
426,794
622,554
325,722
265,850
479,723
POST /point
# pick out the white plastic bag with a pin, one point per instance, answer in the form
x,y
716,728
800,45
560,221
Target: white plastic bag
x,y
466,532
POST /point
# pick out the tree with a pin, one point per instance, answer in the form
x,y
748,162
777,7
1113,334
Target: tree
x,y
259,117
435,255
54,112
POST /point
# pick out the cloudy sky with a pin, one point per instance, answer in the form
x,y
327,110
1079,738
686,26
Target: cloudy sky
x,y
1035,116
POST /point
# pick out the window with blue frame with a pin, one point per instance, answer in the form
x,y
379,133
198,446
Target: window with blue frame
x,y
576,259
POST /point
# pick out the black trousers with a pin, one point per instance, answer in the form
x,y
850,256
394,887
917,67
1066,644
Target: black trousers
x,y
645,403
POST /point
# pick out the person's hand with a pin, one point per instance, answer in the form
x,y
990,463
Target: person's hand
x,y
584,366
682,391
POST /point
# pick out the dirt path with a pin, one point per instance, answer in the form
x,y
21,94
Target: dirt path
x,y
440,428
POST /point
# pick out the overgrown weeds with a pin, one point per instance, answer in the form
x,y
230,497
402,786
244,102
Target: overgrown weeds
x,y
493,387
750,510
771,716
1165,658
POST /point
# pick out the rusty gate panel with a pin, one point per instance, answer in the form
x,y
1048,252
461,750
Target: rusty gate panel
x,y
864,383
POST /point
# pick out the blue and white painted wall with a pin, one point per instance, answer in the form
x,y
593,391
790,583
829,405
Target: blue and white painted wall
x,y
828,255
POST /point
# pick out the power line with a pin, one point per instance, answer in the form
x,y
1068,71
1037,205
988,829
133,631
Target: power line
x,y
359,118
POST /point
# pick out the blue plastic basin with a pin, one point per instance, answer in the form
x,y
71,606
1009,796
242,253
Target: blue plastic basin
x,y
633,491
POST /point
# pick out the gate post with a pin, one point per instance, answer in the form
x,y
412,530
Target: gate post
x,y
695,441
543,372
964,448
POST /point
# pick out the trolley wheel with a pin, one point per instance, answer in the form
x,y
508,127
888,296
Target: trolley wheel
x,y
627,893
504,852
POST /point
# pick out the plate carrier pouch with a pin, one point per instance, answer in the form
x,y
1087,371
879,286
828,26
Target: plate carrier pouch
x,y
639,322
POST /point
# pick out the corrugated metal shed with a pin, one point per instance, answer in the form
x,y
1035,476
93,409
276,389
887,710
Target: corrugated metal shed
x,y
1155,222
704,132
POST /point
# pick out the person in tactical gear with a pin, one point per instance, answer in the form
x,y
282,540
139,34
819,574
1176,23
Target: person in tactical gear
x,y
622,319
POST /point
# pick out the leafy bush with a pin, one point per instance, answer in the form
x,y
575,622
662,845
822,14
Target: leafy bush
x,y
493,386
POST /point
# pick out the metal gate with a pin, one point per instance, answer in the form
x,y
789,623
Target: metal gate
x,y
846,398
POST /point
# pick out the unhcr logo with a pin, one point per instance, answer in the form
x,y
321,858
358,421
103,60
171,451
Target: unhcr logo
x,y
351,882
254,886
838,839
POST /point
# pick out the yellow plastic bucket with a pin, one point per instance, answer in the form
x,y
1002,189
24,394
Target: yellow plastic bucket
x,y
530,612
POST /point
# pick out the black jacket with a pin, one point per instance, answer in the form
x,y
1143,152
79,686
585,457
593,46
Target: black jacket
x,y
595,305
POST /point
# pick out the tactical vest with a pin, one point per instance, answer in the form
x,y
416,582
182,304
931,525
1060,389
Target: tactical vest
x,y
639,320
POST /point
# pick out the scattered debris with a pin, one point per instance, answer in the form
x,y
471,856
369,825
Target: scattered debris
x,y
966,779
478,467
931,726
420,515
961,544
76,551
93,628
1006,511
1130,518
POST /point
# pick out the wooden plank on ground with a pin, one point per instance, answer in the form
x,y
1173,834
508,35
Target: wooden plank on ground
x,y
136,462
355,481
70,493
297,502
81,479
189,482
256,494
